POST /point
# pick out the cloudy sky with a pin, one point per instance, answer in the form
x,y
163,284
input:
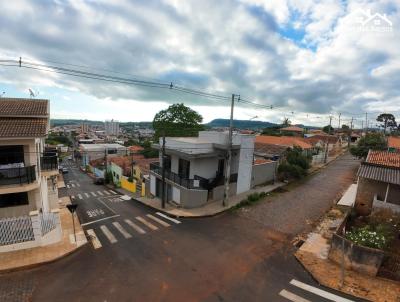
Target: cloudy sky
x,y
307,58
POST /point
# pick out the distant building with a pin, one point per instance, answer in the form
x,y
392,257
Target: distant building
x,y
394,144
84,128
274,147
292,130
91,152
112,127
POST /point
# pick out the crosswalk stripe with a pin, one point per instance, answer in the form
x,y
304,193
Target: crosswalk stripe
x,y
93,193
121,230
108,234
80,196
73,185
72,197
163,223
99,192
292,297
112,192
87,195
95,241
68,186
78,185
319,292
146,223
135,227
169,218
106,192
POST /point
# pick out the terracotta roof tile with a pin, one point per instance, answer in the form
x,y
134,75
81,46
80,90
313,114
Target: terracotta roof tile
x,y
320,137
18,107
383,158
286,141
292,129
394,142
23,127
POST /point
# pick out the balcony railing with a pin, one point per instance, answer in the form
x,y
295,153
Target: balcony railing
x,y
196,183
49,162
15,176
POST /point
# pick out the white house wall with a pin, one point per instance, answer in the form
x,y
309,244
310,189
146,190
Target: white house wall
x,y
176,194
204,167
152,185
245,164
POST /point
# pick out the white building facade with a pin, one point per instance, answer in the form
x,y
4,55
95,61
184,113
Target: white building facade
x,y
29,212
111,128
195,168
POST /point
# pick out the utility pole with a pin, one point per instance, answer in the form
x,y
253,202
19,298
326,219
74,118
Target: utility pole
x,y
327,140
229,156
351,130
163,171
366,123
339,121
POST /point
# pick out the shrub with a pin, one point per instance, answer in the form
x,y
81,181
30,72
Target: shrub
x,y
378,237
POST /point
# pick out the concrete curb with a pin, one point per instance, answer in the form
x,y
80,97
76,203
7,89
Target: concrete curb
x,y
34,265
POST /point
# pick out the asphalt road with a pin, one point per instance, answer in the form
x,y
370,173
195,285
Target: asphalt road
x,y
230,257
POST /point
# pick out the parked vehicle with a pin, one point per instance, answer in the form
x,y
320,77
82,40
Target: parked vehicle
x,y
99,181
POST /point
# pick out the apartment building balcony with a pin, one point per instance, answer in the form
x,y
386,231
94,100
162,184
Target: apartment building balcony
x,y
18,179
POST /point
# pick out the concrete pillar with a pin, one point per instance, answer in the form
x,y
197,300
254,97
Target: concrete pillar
x,y
37,232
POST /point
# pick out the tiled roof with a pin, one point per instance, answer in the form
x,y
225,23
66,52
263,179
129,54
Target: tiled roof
x,y
331,139
286,141
260,161
23,127
380,173
292,129
394,142
269,149
17,107
136,149
383,158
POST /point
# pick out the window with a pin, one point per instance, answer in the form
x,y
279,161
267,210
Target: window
x,y
11,154
184,168
12,200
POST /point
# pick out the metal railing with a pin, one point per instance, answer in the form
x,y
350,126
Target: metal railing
x,y
49,162
14,176
197,183
16,230
48,222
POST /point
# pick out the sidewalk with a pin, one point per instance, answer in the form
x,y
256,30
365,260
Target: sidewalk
x,y
39,255
313,255
210,209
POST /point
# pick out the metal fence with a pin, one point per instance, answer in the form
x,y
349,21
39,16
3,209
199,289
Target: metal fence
x,y
13,176
48,222
16,230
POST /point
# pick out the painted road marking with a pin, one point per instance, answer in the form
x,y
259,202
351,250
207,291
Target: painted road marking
x,y
99,192
72,197
319,292
93,193
135,227
125,197
78,185
68,186
163,223
80,196
108,234
292,297
112,192
169,218
87,195
146,223
101,219
122,230
73,185
105,192
93,238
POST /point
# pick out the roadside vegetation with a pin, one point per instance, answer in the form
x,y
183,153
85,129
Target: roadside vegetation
x,y
371,141
295,165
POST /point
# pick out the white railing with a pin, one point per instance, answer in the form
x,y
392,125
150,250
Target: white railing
x,y
16,230
48,222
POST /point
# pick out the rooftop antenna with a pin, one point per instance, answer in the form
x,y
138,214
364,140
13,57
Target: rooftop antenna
x,y
31,93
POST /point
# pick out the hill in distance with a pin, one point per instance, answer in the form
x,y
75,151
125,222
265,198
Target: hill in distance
x,y
241,124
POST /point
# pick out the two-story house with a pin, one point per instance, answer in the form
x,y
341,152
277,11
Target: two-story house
x,y
195,168
29,212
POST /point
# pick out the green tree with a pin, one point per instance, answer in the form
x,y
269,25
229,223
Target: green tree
x,y
148,151
328,129
373,141
177,120
388,121
295,165
286,122
274,131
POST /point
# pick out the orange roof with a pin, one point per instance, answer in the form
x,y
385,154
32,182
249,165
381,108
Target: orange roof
x,y
287,141
136,148
331,139
383,158
394,142
292,129
260,161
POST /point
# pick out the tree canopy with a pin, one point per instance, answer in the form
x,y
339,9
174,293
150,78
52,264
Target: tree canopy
x,y
177,120
374,141
295,164
387,121
328,129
